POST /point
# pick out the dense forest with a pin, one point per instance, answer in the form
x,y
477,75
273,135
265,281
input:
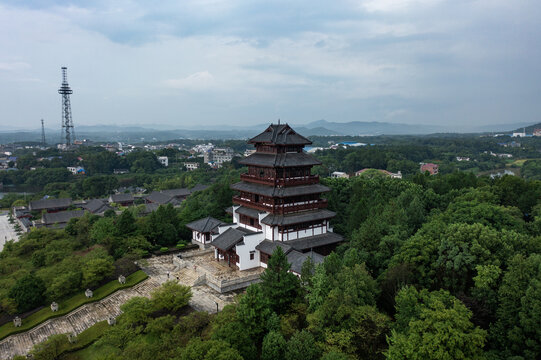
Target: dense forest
x,y
433,267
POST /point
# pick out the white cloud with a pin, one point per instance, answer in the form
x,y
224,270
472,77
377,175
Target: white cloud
x,y
197,81
12,66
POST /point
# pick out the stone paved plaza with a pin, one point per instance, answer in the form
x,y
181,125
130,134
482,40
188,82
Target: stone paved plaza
x,y
159,269
7,231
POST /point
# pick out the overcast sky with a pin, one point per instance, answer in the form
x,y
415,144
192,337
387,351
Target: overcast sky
x,y
455,63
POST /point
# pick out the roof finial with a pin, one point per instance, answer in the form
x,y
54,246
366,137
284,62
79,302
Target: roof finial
x,y
278,121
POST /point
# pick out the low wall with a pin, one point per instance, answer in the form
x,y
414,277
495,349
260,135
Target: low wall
x,y
223,286
206,278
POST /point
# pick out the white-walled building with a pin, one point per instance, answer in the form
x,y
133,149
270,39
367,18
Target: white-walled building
x,y
164,160
278,205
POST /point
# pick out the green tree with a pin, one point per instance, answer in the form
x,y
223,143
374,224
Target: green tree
x,y
96,266
28,292
433,325
253,311
171,296
273,347
51,348
518,328
279,287
302,346
209,350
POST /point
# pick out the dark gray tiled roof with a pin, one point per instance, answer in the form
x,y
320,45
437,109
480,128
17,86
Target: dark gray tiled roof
x,y
198,187
297,218
248,212
268,246
297,259
96,206
45,204
205,225
120,198
313,242
26,222
269,190
280,160
280,135
61,217
177,192
151,207
230,238
162,198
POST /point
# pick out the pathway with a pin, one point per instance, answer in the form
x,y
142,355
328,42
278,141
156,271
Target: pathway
x,y
7,232
159,269
76,321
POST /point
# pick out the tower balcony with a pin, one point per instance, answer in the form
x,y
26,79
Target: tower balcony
x,y
279,209
291,181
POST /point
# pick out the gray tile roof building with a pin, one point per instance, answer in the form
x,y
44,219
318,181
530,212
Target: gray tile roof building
x,y
205,225
121,198
297,259
280,135
229,238
96,206
315,241
61,218
297,218
280,160
50,204
279,192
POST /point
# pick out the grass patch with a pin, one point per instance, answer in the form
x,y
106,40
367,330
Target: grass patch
x,y
71,304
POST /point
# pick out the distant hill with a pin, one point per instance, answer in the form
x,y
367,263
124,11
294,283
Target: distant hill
x,y
374,128
529,129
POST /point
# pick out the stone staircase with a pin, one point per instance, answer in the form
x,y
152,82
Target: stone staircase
x,y
76,321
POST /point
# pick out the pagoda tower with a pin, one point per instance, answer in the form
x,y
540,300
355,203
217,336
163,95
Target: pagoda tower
x,y
278,204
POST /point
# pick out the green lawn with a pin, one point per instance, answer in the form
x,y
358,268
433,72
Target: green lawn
x,y
71,304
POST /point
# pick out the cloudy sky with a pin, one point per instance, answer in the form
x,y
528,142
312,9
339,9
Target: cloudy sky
x,y
456,63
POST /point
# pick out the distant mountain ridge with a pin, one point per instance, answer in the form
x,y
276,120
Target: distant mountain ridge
x,y
140,133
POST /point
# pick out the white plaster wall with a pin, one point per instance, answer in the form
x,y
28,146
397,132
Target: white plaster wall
x,y
304,233
243,251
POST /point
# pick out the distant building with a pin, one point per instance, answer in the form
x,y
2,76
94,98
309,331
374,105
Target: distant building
x,y
218,156
339,174
122,199
506,156
537,132
60,219
519,134
76,170
431,168
96,206
397,175
164,160
203,229
50,205
190,166
462,158
120,171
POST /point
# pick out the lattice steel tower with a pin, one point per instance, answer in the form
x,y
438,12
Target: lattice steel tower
x,y
42,133
67,122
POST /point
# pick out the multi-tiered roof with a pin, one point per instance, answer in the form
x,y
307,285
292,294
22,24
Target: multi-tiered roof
x,y
279,182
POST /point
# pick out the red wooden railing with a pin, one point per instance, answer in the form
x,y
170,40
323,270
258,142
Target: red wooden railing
x,y
304,180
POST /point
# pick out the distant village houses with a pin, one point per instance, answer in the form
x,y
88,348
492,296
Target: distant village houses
x,y
339,175
431,168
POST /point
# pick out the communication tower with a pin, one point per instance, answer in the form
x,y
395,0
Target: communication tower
x,y
43,143
68,133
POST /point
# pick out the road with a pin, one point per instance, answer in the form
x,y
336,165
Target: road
x,y
7,232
